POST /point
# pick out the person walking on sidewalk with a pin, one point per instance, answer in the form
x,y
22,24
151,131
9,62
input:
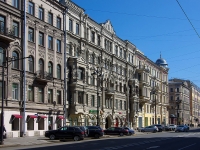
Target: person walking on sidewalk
x,y
4,132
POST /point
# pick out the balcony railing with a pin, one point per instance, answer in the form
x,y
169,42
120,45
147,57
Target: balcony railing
x,y
6,32
44,75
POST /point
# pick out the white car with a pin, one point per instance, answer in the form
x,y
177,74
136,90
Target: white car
x,y
172,127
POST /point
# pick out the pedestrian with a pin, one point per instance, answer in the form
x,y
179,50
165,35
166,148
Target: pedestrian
x,y
59,126
4,132
49,127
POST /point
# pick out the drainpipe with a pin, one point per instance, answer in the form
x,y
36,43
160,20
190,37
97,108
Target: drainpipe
x,y
24,73
65,66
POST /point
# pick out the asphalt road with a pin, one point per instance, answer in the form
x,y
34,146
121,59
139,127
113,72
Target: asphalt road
x,y
158,141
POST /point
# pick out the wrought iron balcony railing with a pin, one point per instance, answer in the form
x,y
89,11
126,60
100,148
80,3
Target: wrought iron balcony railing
x,y
6,31
44,75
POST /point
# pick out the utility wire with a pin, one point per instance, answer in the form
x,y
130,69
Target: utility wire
x,y
188,18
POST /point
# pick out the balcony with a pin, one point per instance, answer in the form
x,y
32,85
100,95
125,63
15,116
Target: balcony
x,y
43,76
110,91
6,34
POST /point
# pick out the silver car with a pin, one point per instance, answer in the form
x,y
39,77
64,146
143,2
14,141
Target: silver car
x,y
150,129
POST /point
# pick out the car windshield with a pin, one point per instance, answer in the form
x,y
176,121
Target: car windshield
x,y
180,126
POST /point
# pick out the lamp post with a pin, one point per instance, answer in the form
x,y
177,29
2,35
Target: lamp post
x,y
2,101
154,92
98,72
177,110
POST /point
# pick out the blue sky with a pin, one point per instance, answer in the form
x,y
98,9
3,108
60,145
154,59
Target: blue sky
x,y
155,26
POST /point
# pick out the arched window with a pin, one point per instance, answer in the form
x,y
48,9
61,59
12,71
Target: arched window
x,y
15,64
50,68
30,64
1,56
58,71
41,65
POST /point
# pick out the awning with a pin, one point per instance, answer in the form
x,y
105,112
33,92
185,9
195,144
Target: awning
x,y
60,117
42,116
17,116
32,116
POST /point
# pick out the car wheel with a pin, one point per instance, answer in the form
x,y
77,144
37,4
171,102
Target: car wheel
x,y
121,134
76,138
96,136
52,137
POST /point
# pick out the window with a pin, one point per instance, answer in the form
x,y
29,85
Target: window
x,y
50,96
15,28
93,36
15,91
30,35
124,54
30,93
70,25
116,50
58,71
120,52
41,13
98,101
80,97
92,101
177,89
30,64
15,64
50,42
171,89
124,105
40,95
58,43
15,3
50,68
41,39
99,40
92,80
2,56
58,97
87,99
77,29
92,59
31,8
120,104
41,65
116,104
0,89
2,24
50,18
80,73
58,22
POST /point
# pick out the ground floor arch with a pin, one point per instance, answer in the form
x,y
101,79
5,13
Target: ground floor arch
x,y
108,121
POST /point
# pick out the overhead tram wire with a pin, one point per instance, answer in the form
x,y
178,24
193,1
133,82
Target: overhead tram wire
x,y
188,18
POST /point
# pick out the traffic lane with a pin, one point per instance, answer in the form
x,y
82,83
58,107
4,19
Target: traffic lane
x,y
89,145
180,143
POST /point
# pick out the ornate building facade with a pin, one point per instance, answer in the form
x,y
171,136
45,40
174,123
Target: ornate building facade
x,y
130,89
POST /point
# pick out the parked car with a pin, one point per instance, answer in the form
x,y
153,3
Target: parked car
x,y
130,131
95,131
181,128
65,133
150,129
116,131
187,127
159,126
84,129
172,127
166,128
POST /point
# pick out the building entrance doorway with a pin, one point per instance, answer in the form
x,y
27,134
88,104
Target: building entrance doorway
x,y
108,122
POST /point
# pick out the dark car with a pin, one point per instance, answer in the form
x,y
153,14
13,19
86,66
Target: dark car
x,y
166,128
160,127
84,129
130,131
65,133
116,131
181,128
95,131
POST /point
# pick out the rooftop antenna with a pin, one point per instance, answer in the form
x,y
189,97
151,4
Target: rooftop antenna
x,y
160,54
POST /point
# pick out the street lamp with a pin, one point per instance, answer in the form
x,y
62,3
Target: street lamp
x,y
177,110
154,92
98,73
2,101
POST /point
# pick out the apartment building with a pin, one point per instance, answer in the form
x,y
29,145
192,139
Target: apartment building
x,y
44,61
179,94
109,80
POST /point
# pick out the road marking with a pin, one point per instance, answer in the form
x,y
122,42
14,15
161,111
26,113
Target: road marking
x,y
186,146
153,147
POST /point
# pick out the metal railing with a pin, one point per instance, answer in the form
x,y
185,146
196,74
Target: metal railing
x,y
44,75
